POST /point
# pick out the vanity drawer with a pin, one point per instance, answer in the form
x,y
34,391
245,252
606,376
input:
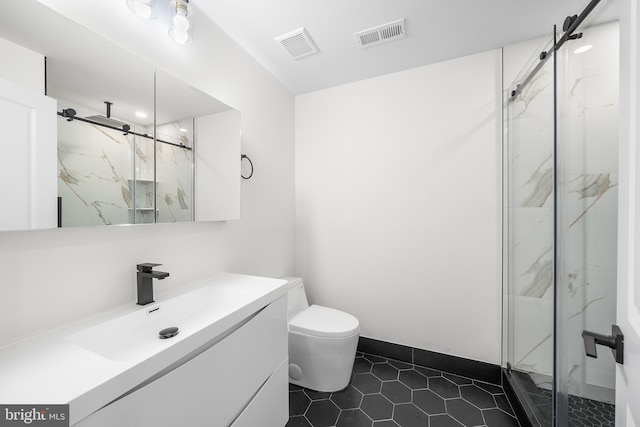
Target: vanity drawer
x,y
214,387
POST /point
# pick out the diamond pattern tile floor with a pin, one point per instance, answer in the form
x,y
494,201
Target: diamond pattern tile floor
x,y
388,393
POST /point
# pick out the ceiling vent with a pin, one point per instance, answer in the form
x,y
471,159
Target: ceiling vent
x,y
299,43
380,34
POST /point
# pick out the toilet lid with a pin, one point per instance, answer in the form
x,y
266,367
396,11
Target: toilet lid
x,y
324,322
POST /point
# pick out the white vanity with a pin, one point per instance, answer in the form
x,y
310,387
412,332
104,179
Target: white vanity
x,y
227,366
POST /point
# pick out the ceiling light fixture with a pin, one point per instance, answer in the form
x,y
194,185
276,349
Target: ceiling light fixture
x,y
180,30
145,9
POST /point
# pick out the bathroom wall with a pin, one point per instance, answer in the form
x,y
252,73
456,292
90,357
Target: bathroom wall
x,y
398,189
49,277
25,67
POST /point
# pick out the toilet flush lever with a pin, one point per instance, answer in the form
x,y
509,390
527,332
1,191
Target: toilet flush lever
x,y
615,342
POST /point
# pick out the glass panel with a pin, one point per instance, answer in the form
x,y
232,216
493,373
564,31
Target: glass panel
x,y
587,221
529,238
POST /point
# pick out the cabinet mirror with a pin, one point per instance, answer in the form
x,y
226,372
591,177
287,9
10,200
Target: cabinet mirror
x,y
134,143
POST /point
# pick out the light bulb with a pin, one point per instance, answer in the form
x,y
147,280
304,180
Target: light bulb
x,y
144,9
181,37
181,23
181,6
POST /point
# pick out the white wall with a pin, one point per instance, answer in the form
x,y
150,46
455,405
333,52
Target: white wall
x,y
398,204
25,67
53,276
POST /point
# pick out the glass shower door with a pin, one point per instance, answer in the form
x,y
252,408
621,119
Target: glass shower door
x,y
529,237
561,174
587,129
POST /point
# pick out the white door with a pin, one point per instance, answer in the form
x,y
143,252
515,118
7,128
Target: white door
x,y
628,307
28,153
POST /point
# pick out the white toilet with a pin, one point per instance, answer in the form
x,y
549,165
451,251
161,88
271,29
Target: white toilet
x,y
322,342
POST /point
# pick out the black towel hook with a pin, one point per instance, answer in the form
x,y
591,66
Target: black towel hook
x,y
244,156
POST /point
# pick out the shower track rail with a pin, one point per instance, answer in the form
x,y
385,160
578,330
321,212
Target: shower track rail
x,y
571,24
126,132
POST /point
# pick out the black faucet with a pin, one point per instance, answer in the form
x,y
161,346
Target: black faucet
x,y
146,274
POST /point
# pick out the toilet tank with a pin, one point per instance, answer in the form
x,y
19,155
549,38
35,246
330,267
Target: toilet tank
x,y
296,296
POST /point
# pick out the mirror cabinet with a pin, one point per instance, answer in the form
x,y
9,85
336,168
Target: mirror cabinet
x,y
135,145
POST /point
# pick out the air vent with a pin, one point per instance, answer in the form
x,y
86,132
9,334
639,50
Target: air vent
x,y
299,43
380,34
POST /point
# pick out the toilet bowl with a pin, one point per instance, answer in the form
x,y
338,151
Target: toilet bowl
x,y
322,342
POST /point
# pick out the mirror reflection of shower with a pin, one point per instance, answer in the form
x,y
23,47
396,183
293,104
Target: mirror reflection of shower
x,y
108,122
113,172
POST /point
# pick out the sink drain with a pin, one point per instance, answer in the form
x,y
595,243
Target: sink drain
x,y
168,332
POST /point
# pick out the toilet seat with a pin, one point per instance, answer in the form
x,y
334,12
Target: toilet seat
x,y
324,322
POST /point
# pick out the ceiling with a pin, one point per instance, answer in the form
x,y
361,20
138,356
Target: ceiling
x,y
91,78
435,32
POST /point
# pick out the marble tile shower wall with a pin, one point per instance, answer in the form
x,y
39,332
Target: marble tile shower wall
x,y
588,92
95,174
175,172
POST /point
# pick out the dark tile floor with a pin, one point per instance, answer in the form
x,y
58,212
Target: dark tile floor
x,y
590,413
388,393
582,412
585,412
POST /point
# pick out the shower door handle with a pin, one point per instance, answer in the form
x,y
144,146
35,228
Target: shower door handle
x,y
615,342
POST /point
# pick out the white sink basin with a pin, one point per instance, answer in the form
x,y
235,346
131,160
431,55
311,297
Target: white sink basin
x,y
95,361
136,334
